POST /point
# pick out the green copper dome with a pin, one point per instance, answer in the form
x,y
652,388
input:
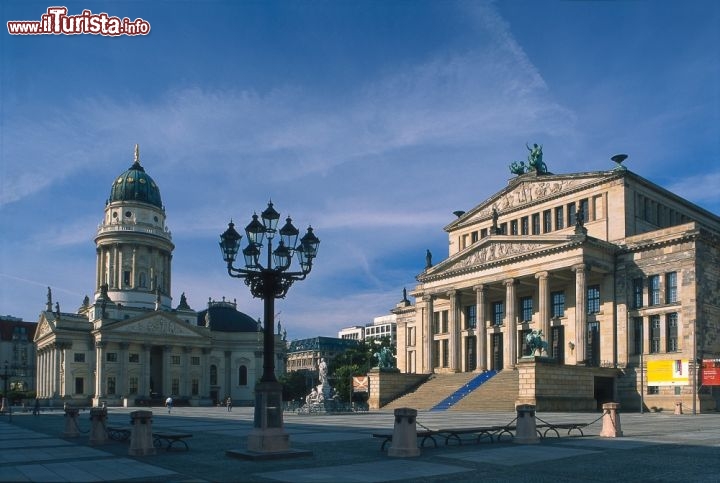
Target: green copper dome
x,y
136,185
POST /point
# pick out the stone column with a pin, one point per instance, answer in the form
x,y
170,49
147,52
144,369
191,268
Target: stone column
x,y
227,379
481,327
544,304
510,355
186,377
580,312
427,336
133,268
98,269
144,389
167,382
122,383
454,329
57,347
204,373
99,369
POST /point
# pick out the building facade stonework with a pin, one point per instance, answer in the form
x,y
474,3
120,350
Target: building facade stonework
x,y
128,345
615,271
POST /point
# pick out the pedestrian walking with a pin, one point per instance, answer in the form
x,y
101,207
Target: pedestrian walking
x,y
169,404
36,408
229,404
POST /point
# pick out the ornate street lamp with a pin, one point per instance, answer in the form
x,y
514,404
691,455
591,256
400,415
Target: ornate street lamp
x,y
269,279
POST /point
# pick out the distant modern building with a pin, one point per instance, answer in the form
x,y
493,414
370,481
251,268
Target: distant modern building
x,y
355,332
619,274
383,326
17,354
128,343
305,354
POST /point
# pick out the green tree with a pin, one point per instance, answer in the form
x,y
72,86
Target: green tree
x,y
356,361
294,385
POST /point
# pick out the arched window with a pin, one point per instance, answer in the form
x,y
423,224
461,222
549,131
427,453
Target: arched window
x,y
142,282
213,375
242,379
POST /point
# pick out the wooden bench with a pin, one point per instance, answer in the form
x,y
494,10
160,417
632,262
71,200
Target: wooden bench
x,y
425,434
119,433
171,439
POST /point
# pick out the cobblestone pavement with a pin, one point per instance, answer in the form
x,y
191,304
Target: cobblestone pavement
x,y
655,447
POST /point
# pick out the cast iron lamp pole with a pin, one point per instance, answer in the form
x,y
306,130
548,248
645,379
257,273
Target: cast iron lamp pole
x,y
269,280
5,400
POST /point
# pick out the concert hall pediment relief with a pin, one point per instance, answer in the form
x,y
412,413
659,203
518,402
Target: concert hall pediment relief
x,y
489,252
156,325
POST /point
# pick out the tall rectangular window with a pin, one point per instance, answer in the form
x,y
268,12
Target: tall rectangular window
x,y
572,211
593,299
111,385
637,287
671,287
654,290
195,387
445,352
470,316
132,385
134,357
175,360
436,323
536,224
547,221
175,386
483,232
195,360
559,219
111,357
514,227
558,304
498,312
473,237
585,209
436,354
503,229
637,335
524,226
526,309
79,357
654,334
671,330
444,321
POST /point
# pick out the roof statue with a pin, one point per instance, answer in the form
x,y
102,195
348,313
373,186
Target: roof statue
x,y
428,259
137,153
535,162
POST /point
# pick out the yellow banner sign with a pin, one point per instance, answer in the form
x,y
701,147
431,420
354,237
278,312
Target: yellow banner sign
x,y
668,373
360,383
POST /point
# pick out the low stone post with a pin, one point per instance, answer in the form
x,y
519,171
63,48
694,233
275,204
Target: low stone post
x,y
141,438
611,421
404,440
526,432
98,429
678,407
71,425
5,405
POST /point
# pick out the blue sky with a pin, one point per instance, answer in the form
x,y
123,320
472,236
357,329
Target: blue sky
x,y
371,120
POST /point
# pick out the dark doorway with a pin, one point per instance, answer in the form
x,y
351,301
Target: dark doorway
x,y
156,372
470,353
604,390
497,352
522,342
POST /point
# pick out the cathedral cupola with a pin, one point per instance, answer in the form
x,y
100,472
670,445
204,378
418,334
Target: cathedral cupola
x,y
134,246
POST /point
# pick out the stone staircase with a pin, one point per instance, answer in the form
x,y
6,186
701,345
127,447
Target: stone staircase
x,y
497,394
427,395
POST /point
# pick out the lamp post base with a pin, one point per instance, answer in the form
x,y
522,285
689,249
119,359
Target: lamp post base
x,y
268,439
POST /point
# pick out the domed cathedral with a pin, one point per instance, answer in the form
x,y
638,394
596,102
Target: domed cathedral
x,y
576,289
128,346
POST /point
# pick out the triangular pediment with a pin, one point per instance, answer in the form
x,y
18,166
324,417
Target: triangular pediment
x,y
528,189
157,324
495,250
44,328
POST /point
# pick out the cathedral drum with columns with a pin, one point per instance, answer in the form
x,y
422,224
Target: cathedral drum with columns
x,y
619,275
128,345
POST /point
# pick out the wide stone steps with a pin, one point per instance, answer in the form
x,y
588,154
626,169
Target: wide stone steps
x,y
437,388
497,394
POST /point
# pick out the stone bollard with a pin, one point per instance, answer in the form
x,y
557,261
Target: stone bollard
x,y
71,425
611,421
404,440
5,406
526,432
678,407
141,438
98,429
